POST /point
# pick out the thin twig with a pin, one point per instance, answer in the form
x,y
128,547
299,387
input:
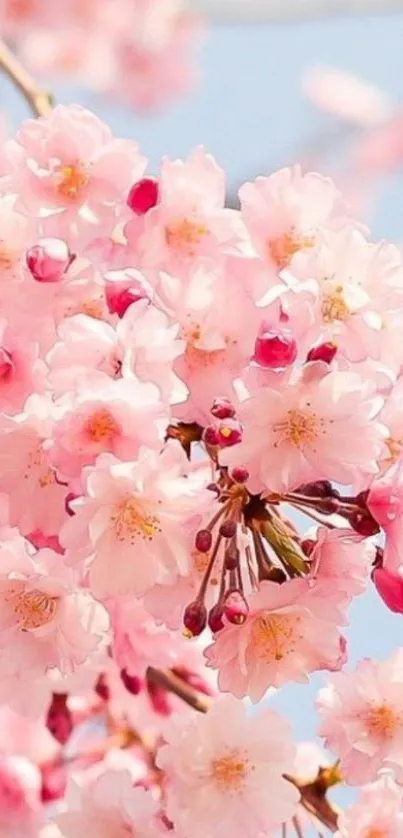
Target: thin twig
x,y
173,684
38,100
297,826
314,801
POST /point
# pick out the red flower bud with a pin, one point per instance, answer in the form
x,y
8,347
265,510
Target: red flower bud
x,y
215,618
275,349
240,474
324,352
228,529
195,618
235,607
143,195
203,541
390,588
59,719
49,260
222,408
133,684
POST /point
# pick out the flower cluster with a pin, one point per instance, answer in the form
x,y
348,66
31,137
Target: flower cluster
x,y
200,438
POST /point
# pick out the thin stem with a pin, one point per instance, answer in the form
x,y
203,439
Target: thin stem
x,y
38,100
173,684
297,826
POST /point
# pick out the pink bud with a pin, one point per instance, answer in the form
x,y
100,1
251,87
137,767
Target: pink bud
x,y
210,436
122,288
143,195
324,352
229,432
101,688
195,618
240,474
6,365
133,684
363,522
215,618
389,585
235,607
54,781
227,529
275,349
49,260
203,541
59,720
222,408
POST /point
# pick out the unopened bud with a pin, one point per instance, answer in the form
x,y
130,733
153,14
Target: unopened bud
x,y
195,618
324,352
143,195
215,618
229,433
227,529
275,349
223,409
49,260
133,684
240,474
363,522
59,719
203,541
122,288
235,607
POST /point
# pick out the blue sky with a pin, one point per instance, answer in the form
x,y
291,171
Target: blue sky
x,y
248,111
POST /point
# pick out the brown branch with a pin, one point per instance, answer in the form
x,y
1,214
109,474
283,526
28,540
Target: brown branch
x,y
173,684
38,100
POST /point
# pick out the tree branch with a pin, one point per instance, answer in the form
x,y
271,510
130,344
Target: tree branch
x,y
38,100
173,684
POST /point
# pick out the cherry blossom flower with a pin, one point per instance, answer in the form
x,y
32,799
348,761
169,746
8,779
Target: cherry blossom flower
x,y
362,718
378,811
129,507
218,767
70,160
107,807
290,631
300,435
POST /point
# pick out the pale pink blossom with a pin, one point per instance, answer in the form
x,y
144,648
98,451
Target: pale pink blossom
x,y
385,502
290,631
321,426
70,160
346,96
362,717
106,415
45,618
219,767
36,497
378,812
343,558
148,510
284,213
109,807
138,642
21,371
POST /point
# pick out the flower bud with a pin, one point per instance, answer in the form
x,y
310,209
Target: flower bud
x,y
6,365
133,684
101,688
222,408
227,529
203,541
195,618
210,436
324,352
143,195
235,607
215,618
159,699
59,719
229,433
240,474
362,522
49,260
389,585
275,349
122,288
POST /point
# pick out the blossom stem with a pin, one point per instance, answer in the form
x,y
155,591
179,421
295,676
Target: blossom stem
x,y
313,799
38,100
171,682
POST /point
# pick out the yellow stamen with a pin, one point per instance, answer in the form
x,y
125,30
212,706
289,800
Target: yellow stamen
x,y
230,770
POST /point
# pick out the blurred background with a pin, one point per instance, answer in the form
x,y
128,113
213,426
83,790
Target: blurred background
x,y
261,84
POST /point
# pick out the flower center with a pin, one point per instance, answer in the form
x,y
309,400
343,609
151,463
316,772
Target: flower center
x,y
70,181
130,520
101,427
382,721
282,249
34,609
274,636
374,832
299,428
334,306
37,467
7,257
183,235
230,770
